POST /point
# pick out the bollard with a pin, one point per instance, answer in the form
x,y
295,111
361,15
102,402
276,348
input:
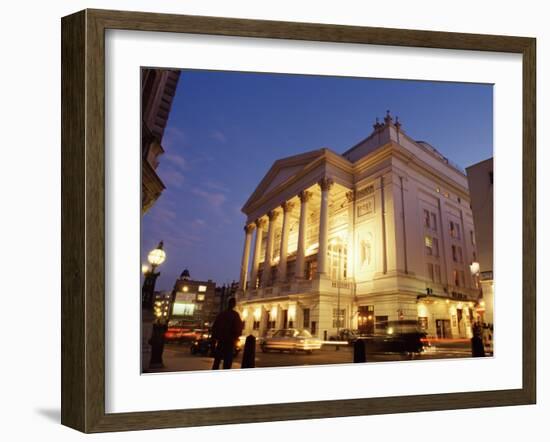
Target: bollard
x,y
477,347
157,346
359,352
249,352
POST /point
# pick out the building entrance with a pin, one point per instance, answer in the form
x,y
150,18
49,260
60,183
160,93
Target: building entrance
x,y
365,320
443,327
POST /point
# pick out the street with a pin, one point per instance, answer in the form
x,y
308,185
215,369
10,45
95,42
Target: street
x,y
177,357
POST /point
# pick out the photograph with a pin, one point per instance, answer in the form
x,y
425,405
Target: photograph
x,y
299,220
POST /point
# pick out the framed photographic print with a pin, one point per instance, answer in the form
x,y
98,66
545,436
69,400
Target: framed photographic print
x,y
269,220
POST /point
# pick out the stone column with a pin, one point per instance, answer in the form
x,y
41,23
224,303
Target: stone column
x,y
257,249
325,184
350,196
287,208
305,196
246,253
272,215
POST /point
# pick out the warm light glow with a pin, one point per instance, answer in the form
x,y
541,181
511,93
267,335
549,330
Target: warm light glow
x,y
200,297
156,257
312,248
422,310
183,309
447,301
390,330
145,268
257,313
291,312
482,303
273,313
474,268
245,313
185,288
202,288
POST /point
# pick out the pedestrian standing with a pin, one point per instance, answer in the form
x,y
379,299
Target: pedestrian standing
x,y
226,330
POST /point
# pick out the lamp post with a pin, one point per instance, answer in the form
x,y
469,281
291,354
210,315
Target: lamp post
x,y
155,257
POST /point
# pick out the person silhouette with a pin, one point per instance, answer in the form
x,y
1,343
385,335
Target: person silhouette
x,y
226,329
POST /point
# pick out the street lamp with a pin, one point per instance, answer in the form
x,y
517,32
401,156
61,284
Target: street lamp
x,y
155,257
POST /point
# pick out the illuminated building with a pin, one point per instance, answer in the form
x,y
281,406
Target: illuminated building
x,y
380,233
194,302
480,180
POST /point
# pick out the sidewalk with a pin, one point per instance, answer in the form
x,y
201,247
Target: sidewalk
x,y
181,359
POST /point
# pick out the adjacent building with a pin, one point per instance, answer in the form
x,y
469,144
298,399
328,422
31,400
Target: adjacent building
x,y
194,302
382,232
158,87
480,180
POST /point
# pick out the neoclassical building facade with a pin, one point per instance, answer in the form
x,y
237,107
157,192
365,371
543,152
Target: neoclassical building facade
x,y
382,232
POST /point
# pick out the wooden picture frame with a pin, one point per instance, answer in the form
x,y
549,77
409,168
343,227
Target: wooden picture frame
x,y
83,220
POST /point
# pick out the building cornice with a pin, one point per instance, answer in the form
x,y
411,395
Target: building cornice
x,y
320,160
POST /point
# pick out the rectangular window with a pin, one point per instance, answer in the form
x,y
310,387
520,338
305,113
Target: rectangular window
x,y
454,229
435,248
430,267
306,318
455,278
426,219
202,288
462,280
338,319
200,297
428,242
457,253
437,273
472,238
256,325
423,323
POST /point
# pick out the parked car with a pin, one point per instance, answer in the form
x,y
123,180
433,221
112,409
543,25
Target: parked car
x,y
203,344
403,337
346,335
291,339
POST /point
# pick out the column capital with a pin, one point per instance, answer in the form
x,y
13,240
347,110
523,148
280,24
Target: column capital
x,y
287,206
248,228
305,196
325,183
272,215
260,223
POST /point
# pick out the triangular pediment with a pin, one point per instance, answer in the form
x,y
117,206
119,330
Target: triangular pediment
x,y
281,172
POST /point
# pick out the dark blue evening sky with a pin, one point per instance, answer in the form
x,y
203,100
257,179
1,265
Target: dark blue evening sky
x,y
227,128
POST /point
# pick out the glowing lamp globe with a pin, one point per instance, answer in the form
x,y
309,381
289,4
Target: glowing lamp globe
x,y
157,256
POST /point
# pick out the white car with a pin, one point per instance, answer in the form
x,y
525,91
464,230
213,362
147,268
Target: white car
x,y
291,339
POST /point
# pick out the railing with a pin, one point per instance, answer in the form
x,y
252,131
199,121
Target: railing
x,y
297,286
342,284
